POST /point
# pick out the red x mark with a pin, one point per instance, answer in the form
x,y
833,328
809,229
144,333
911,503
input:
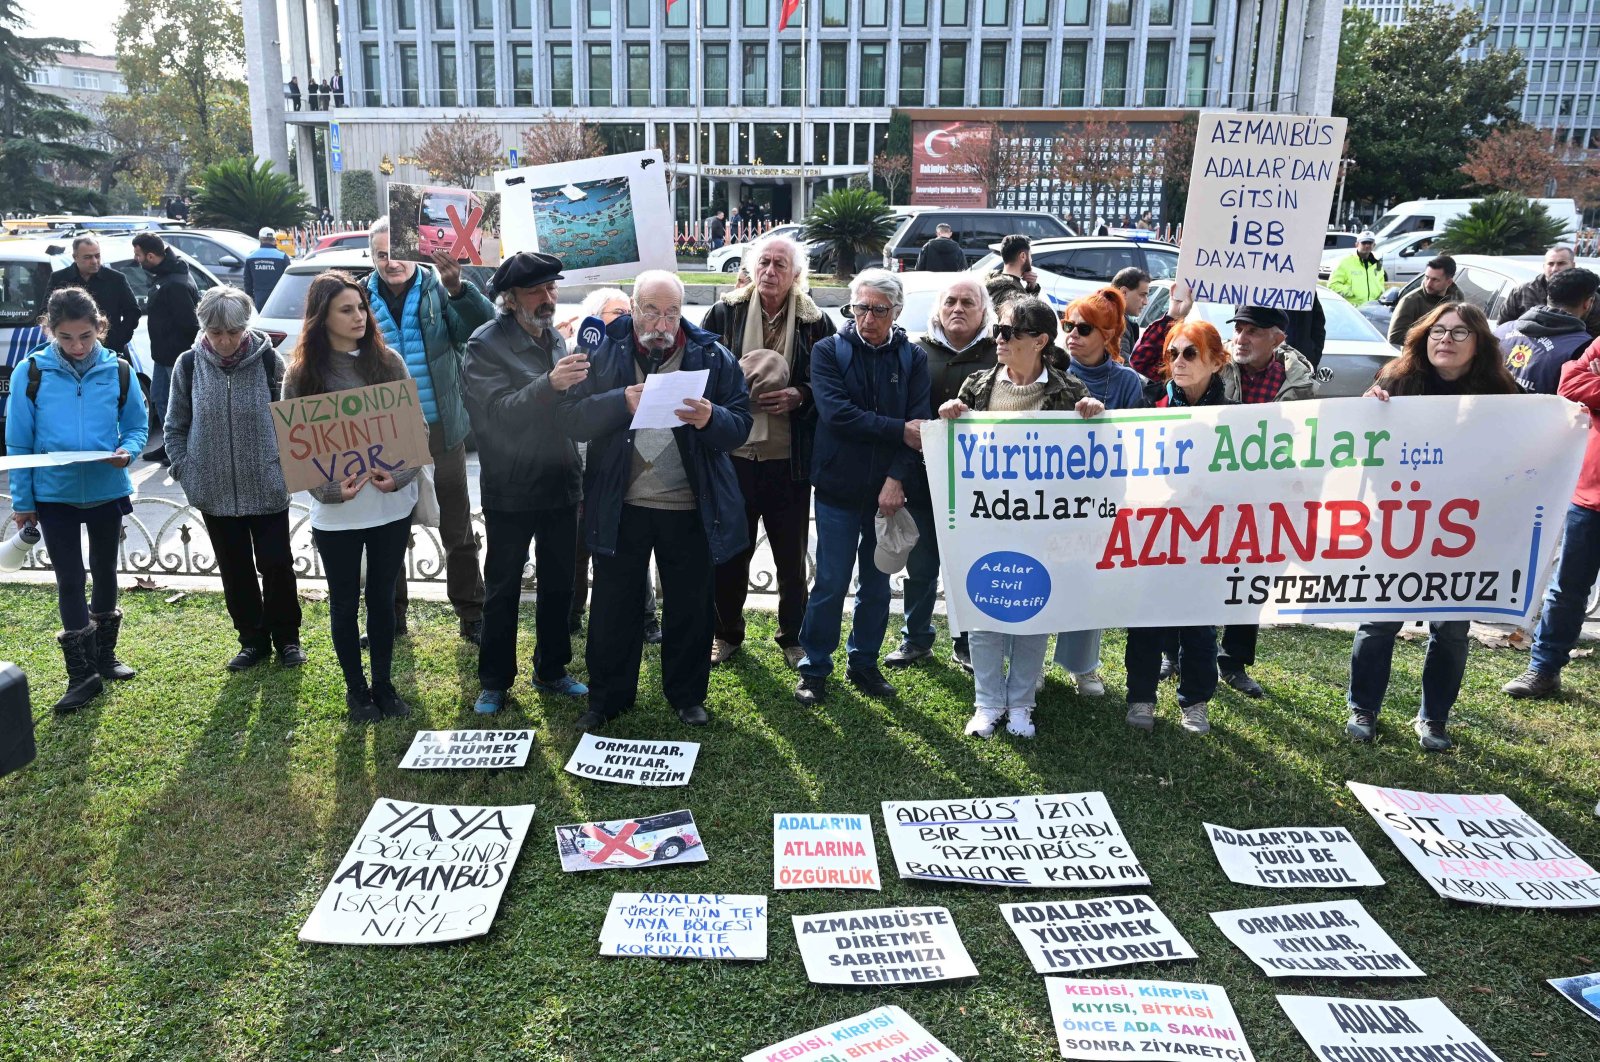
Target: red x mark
x,y
462,235
614,843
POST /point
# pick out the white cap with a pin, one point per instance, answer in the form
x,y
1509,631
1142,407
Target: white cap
x,y
1367,236
896,535
266,233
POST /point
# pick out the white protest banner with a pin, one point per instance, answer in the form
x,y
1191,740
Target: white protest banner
x,y
1316,511
1067,840
1582,991
1368,1030
626,762
673,925
434,749
1260,193
1337,938
1109,1021
883,946
1481,848
824,852
887,1034
1293,857
330,437
652,840
420,874
1089,934
606,218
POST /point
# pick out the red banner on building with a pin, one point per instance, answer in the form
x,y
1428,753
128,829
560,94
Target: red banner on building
x,y
941,173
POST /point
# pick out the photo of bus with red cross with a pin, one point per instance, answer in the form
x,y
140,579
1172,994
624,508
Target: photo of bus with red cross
x,y
672,837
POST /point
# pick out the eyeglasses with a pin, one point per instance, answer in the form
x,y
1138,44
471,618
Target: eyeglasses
x,y
646,314
1083,328
1459,333
861,309
1005,333
1184,353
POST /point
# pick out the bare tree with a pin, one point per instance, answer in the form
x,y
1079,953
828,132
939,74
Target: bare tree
x,y
553,139
460,151
894,171
1519,158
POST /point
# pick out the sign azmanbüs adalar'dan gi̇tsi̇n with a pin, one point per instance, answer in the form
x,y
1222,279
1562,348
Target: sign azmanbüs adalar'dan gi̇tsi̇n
x,y
1344,510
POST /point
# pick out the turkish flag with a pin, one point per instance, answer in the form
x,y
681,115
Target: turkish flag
x,y
788,10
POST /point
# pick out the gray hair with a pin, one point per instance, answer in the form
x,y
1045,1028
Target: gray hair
x,y
224,308
80,241
656,276
884,283
596,301
989,315
379,228
799,259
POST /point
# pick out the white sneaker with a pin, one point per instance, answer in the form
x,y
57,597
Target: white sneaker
x,y
1142,714
983,721
1090,684
1019,722
1195,718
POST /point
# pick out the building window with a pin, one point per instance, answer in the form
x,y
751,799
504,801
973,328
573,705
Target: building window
x,y
367,12
1030,75
677,75
599,14
38,77
521,14
992,74
561,14
772,143
714,75
913,12
600,75
1076,12
952,74
954,13
755,12
410,79
1205,12
522,75
835,62
444,14
1194,82
1074,72
84,80
561,78
997,12
371,77
405,14
913,74
754,74
678,15
483,74
716,13
875,12
1035,12
638,14
793,75
445,57
873,73
639,75
1114,74
1119,13
1156,58
1160,12
836,12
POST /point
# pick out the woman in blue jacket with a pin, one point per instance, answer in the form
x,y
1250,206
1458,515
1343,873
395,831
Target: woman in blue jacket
x,y
76,395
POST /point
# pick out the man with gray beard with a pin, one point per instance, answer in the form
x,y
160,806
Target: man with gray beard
x,y
514,373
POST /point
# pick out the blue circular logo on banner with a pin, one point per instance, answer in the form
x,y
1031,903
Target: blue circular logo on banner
x,y
1010,587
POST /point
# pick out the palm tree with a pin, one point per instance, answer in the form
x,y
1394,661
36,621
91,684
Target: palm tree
x,y
852,221
1502,223
247,193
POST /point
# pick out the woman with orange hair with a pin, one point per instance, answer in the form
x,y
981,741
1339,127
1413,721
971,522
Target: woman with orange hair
x,y
1192,356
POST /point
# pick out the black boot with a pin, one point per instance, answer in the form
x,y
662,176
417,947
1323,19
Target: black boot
x,y
110,627
359,704
81,652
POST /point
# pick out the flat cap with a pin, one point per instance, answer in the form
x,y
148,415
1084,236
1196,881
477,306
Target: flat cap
x,y
1261,317
526,269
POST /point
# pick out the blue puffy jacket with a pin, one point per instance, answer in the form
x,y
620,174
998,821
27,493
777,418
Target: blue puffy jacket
x,y
430,340
72,414
864,396
597,411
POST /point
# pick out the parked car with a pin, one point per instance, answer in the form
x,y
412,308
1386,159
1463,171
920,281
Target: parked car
x,y
977,231
222,251
1432,215
352,240
1072,266
1352,355
1403,257
1339,241
921,291
726,259
1485,280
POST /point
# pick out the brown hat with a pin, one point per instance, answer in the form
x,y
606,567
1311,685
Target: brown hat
x,y
764,370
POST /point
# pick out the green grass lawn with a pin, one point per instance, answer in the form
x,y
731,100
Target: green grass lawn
x,y
157,861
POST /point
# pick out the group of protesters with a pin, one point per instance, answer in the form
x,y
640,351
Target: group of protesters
x,y
798,419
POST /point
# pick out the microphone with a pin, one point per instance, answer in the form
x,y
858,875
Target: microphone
x,y
590,334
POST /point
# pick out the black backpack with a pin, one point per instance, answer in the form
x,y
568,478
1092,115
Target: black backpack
x,y
124,380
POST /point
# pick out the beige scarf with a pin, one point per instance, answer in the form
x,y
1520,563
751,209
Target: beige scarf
x,y
755,338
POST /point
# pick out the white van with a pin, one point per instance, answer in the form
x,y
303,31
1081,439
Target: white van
x,y
1431,215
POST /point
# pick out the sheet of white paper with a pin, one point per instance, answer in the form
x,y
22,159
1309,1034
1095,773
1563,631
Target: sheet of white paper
x,y
880,1035
664,394
1335,938
434,749
1065,935
63,457
1292,857
675,925
884,946
1383,1028
633,762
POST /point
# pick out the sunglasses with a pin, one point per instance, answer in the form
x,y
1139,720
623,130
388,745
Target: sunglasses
x,y
1083,328
1005,333
1184,353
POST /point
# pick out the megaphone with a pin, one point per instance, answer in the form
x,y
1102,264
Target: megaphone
x,y
14,552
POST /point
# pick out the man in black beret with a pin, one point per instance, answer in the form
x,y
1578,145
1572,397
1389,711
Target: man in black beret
x,y
514,371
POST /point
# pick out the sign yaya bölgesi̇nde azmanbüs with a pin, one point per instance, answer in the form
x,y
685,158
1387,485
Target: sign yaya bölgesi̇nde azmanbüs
x,y
1336,938
1383,1029
420,874
330,437
1327,510
434,749
1260,193
1109,1021
886,1034
1067,935
1061,841
817,851
1292,857
628,762
884,946
1481,848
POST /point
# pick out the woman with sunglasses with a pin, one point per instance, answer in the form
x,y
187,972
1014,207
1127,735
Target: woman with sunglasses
x,y
369,512
1024,381
1193,357
1451,351
1093,327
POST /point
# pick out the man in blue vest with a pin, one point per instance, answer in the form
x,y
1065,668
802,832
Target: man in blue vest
x,y
427,317
263,267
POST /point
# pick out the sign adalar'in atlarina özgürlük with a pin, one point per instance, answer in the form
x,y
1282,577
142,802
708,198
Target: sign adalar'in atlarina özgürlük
x,y
1345,510
330,437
